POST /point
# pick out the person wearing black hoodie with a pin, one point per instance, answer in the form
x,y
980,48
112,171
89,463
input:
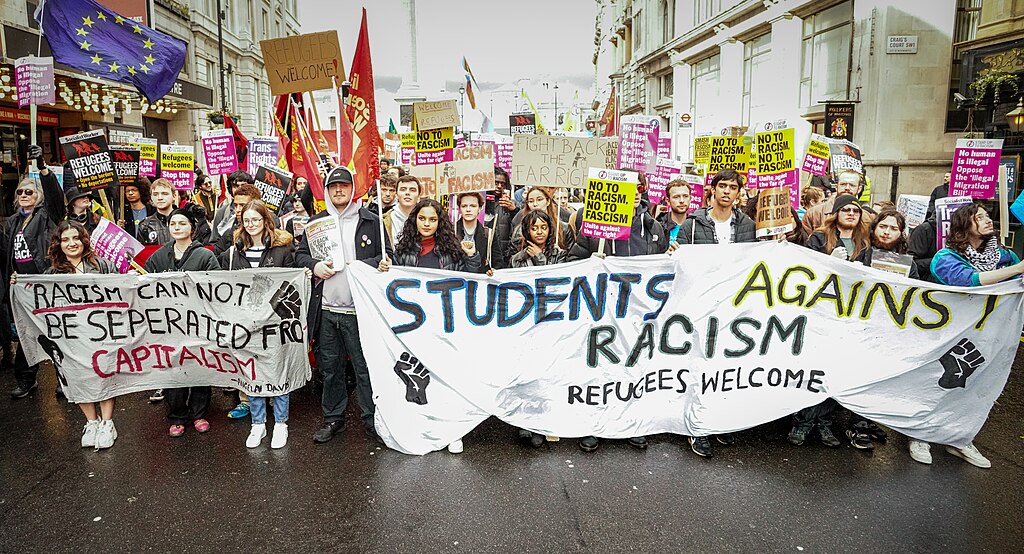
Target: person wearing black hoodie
x,y
79,203
184,253
499,211
646,236
39,207
923,247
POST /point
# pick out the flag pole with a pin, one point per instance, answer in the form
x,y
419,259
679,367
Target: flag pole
x,y
33,109
337,125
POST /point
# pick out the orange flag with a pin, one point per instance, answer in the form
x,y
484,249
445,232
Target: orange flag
x,y
362,112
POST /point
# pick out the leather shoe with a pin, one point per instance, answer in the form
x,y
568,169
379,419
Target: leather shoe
x,y
21,391
589,444
327,432
536,440
640,443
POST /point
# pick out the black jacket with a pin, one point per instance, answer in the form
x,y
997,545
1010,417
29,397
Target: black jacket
x,y
153,229
129,218
522,259
922,248
501,247
700,229
817,243
196,258
281,253
468,264
481,238
646,236
366,251
37,231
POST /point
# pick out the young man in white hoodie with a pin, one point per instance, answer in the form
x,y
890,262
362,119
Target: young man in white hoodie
x,y
333,328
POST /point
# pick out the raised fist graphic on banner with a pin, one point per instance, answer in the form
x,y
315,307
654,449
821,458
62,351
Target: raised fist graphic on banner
x,y
286,301
959,363
415,376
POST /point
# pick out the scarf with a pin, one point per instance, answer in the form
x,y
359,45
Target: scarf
x,y
427,245
987,259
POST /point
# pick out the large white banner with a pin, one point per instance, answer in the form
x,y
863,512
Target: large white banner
x,y
115,334
714,339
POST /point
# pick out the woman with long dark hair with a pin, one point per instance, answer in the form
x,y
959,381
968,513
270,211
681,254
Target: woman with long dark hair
x,y
428,240
537,242
540,199
844,233
71,253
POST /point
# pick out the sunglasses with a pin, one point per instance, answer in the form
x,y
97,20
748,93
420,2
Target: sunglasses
x,y
24,192
850,211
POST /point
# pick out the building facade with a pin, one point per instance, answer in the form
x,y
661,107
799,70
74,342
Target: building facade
x,y
704,65
86,102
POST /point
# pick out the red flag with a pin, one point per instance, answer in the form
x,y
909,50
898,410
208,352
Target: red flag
x,y
241,143
304,161
362,111
346,146
610,118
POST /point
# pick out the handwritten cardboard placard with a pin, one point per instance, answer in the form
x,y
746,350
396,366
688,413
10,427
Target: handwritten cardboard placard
x,y
437,114
303,62
550,161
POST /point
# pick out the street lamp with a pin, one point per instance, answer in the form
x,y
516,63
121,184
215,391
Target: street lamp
x,y
556,105
462,107
1016,117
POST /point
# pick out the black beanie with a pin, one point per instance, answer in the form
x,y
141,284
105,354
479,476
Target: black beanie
x,y
844,200
191,212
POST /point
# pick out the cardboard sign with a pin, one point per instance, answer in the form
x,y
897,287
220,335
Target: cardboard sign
x,y
891,262
438,114
115,245
126,163
608,207
177,165
219,152
33,78
914,208
702,150
666,170
435,146
844,155
839,121
392,145
816,158
262,151
944,208
147,155
522,123
638,142
273,183
303,62
549,161
471,170
90,159
976,168
774,213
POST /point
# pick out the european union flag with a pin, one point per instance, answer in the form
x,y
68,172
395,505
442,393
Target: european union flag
x,y
89,37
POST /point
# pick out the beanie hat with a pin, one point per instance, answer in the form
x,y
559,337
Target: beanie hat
x,y
842,201
192,213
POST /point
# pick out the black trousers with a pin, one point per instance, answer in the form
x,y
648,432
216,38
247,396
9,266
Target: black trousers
x,y
25,374
187,404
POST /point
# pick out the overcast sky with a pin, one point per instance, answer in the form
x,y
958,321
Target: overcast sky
x,y
541,40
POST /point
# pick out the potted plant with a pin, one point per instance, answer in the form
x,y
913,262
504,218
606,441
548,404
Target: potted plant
x,y
216,117
994,86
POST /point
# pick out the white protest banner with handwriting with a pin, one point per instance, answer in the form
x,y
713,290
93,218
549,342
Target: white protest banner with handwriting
x,y
110,335
715,339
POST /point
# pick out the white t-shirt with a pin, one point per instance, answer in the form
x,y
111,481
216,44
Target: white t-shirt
x,y
723,229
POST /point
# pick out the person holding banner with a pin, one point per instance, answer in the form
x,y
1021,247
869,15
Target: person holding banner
x,y
136,206
71,253
408,194
333,327
428,240
722,222
468,225
259,243
184,253
849,182
79,203
38,208
153,229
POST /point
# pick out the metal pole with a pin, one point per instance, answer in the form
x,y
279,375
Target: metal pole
x,y
220,53
556,105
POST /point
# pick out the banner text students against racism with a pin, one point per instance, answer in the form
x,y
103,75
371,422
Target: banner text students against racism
x,y
713,339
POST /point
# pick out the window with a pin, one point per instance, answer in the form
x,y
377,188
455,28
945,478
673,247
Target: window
x,y
202,71
705,10
825,68
757,79
252,20
667,85
968,15
704,87
265,29
638,19
668,20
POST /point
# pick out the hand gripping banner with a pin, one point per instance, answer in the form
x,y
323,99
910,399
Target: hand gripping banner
x,y
110,335
711,340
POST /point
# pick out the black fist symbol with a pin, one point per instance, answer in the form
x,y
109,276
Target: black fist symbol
x,y
416,378
959,363
286,301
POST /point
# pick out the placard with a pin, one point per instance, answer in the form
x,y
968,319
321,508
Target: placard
x,y
549,161
776,160
944,208
638,142
774,212
522,123
262,151
976,168
696,183
147,155
273,183
702,150
608,206
437,114
914,208
115,245
219,152
126,163
844,155
471,170
177,165
303,62
33,78
90,159
435,146
816,159
728,152
666,170
891,262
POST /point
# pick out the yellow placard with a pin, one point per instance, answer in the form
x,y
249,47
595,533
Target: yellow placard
x,y
776,152
729,152
701,150
409,139
435,140
818,148
608,206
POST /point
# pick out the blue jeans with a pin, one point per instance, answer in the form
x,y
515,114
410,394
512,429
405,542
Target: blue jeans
x,y
258,409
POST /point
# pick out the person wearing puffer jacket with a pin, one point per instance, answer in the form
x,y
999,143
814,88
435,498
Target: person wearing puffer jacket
x,y
720,223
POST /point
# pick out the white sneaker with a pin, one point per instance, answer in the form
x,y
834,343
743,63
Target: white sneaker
x,y
920,451
106,435
970,454
89,433
256,435
455,447
280,437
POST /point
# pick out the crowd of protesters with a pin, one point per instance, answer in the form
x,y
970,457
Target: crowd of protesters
x,y
49,233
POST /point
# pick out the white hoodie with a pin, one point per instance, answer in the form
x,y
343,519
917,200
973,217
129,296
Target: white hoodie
x,y
337,295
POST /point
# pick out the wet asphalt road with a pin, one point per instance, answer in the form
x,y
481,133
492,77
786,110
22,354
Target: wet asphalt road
x,y
204,493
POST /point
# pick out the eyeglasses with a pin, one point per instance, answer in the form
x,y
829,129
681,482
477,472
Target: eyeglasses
x,y
850,211
24,192
248,221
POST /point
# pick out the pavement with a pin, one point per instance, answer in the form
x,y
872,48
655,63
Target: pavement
x,y
208,493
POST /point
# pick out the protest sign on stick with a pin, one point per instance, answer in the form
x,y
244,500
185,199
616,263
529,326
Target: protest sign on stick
x,y
608,208
219,152
522,123
816,159
147,156
914,208
666,170
774,214
844,155
435,146
115,245
273,183
303,62
550,161
90,159
126,163
976,168
944,208
638,142
262,151
438,114
33,77
177,165
728,152
776,160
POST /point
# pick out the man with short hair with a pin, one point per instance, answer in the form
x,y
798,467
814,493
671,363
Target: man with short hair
x,y
468,228
223,220
677,195
153,229
333,328
388,191
408,195
850,182
500,210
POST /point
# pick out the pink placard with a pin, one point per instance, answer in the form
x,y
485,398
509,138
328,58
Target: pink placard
x,y
115,245
407,154
666,170
33,79
638,142
976,168
219,152
434,158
